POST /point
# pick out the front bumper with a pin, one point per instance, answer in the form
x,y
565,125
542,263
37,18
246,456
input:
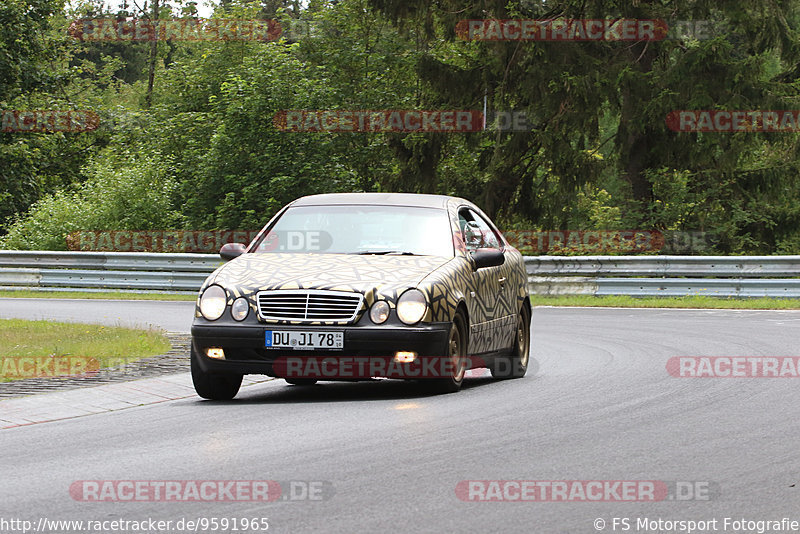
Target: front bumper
x,y
245,352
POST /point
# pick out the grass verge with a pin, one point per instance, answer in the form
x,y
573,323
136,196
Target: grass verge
x,y
667,302
48,348
108,295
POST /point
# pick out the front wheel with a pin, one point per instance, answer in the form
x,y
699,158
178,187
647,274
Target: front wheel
x,y
516,364
456,350
213,386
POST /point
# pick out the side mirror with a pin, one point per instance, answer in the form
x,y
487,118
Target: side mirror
x,y
231,250
488,257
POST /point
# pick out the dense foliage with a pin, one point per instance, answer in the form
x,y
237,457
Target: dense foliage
x,y
200,151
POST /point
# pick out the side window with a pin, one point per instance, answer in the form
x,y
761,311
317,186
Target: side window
x,y
477,233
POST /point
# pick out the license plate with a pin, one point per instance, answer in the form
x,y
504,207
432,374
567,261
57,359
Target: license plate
x,y
298,340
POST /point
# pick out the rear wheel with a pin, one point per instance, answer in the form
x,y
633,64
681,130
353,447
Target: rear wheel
x,y
213,386
456,350
516,364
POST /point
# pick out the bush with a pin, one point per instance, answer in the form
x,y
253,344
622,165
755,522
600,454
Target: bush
x,y
121,193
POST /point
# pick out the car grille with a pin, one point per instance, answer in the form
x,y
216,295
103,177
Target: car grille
x,y
309,306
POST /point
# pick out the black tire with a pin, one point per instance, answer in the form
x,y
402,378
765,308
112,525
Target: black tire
x,y
515,365
301,381
456,350
214,386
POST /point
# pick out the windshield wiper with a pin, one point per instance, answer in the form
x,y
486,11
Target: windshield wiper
x,y
385,252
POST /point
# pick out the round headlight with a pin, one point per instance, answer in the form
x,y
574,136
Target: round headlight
x,y
240,308
212,302
379,312
411,306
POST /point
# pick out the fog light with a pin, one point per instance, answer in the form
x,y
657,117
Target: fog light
x,y
216,353
405,357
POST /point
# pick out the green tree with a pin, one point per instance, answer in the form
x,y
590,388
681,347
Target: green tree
x,y
569,89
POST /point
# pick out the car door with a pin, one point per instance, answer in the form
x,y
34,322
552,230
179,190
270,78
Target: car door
x,y
488,283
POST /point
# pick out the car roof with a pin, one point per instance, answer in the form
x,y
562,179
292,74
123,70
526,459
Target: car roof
x,y
385,199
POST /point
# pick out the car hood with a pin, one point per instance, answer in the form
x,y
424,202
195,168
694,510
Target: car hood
x,y
254,272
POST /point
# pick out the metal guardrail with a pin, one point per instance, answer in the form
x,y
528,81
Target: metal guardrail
x,y
712,287
654,266
667,276
721,276
104,271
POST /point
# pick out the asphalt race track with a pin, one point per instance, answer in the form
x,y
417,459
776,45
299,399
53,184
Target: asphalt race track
x,y
601,407
172,316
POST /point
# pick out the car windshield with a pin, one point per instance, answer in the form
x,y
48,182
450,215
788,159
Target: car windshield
x,y
361,229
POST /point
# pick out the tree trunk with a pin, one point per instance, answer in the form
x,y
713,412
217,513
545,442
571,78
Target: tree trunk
x,y
635,138
637,150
